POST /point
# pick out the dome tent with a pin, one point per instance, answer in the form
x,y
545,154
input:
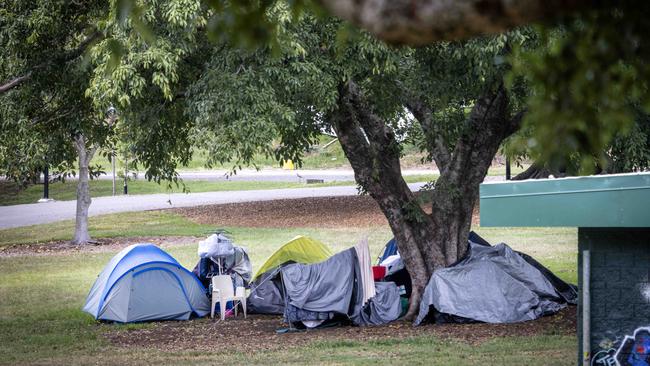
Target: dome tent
x,y
300,249
143,282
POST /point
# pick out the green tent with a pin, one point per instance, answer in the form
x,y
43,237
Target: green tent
x,y
300,249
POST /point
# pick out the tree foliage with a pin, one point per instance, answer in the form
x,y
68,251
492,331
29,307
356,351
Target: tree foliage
x,y
147,83
588,83
246,99
43,42
591,69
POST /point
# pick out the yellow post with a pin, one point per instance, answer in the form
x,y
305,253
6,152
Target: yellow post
x,y
288,165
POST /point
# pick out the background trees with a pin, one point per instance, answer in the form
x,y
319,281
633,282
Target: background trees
x,y
41,77
143,68
450,98
591,66
46,118
53,105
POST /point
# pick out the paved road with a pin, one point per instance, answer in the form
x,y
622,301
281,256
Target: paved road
x,y
279,175
41,213
269,175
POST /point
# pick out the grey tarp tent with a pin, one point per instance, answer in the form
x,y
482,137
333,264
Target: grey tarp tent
x,y
143,282
266,295
335,286
568,291
491,284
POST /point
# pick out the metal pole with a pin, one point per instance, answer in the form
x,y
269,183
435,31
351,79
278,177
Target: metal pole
x,y
586,309
46,183
126,172
113,162
507,168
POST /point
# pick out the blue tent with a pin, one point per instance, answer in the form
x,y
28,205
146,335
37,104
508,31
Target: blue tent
x,y
143,282
389,249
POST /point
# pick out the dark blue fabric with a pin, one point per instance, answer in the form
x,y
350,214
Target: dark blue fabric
x,y
294,314
389,249
475,238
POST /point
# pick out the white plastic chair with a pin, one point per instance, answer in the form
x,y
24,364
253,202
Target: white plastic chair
x,y
222,292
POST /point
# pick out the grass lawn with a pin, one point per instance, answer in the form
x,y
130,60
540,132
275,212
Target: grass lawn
x,y
41,296
63,191
501,170
320,157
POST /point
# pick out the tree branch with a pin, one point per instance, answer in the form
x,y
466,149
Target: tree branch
x,y
15,82
515,122
79,142
435,139
66,57
91,153
376,130
486,125
420,22
352,137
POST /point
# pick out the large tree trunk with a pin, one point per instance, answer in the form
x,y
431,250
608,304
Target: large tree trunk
x,y
425,241
81,235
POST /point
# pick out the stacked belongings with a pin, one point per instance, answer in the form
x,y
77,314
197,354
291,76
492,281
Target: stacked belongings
x,y
342,287
218,256
267,294
493,284
393,270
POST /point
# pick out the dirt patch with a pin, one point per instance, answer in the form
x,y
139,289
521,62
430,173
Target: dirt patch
x,y
320,212
317,212
102,245
257,332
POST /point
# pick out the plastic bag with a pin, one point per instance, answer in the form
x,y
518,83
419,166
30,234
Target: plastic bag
x,y
216,245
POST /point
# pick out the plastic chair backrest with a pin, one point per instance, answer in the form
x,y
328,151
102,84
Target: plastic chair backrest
x,y
223,283
240,292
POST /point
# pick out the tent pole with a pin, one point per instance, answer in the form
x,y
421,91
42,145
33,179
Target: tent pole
x,y
286,303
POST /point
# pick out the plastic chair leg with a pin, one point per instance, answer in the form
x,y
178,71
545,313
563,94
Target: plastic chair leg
x,y
214,302
243,306
222,309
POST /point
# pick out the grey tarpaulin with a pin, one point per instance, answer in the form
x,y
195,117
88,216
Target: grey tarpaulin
x,y
266,294
316,291
382,308
239,263
492,284
321,287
